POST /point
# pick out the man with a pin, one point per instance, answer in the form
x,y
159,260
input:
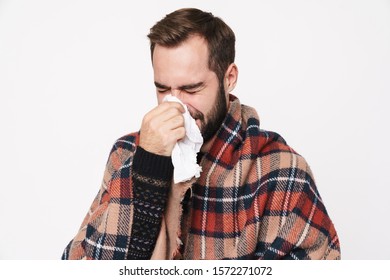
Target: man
x,y
255,198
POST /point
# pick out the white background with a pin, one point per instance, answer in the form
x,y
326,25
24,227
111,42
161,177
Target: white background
x,y
76,75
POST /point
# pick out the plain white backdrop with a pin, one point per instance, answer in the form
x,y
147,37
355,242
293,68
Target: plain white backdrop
x,y
76,75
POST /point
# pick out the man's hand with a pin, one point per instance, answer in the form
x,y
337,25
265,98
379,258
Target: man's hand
x,y
162,127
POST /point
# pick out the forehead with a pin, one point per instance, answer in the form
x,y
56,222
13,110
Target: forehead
x,y
187,61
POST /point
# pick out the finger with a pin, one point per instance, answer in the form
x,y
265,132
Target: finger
x,y
175,122
179,133
177,105
171,113
166,128
171,108
167,114
165,106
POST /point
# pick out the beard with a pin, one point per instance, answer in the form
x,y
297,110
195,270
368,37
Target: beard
x,y
213,120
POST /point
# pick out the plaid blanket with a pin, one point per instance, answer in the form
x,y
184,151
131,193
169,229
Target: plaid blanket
x,y
255,199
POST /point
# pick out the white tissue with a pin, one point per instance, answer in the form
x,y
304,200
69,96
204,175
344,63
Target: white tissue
x,y
185,150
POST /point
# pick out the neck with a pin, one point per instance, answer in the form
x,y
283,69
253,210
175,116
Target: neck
x,y
206,146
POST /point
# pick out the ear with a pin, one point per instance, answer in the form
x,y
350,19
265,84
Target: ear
x,y
230,79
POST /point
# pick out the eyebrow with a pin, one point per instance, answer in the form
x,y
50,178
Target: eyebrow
x,y
184,87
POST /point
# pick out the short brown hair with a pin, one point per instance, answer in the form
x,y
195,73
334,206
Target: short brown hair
x,y
177,26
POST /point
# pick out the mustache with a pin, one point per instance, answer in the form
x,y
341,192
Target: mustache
x,y
196,114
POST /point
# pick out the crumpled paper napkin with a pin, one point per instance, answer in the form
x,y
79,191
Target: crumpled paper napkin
x,y
185,150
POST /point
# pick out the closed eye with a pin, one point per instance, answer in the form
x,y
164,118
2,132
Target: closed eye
x,y
161,88
193,88
190,89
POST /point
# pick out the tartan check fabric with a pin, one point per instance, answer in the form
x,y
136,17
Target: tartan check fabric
x,y
255,199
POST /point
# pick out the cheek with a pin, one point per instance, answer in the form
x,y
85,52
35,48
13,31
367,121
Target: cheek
x,y
160,97
199,103
195,109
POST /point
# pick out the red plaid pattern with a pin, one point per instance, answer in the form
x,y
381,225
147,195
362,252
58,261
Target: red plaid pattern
x,y
255,199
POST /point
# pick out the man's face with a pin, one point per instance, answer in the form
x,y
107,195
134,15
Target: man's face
x,y
183,72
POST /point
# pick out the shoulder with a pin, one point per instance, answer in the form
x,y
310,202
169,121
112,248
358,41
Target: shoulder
x,y
123,150
272,142
127,142
257,139
280,161
268,146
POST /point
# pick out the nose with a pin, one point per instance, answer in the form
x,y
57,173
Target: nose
x,y
176,92
179,94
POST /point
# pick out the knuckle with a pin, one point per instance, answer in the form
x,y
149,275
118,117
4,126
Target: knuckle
x,y
176,106
176,118
180,120
180,107
173,110
182,132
